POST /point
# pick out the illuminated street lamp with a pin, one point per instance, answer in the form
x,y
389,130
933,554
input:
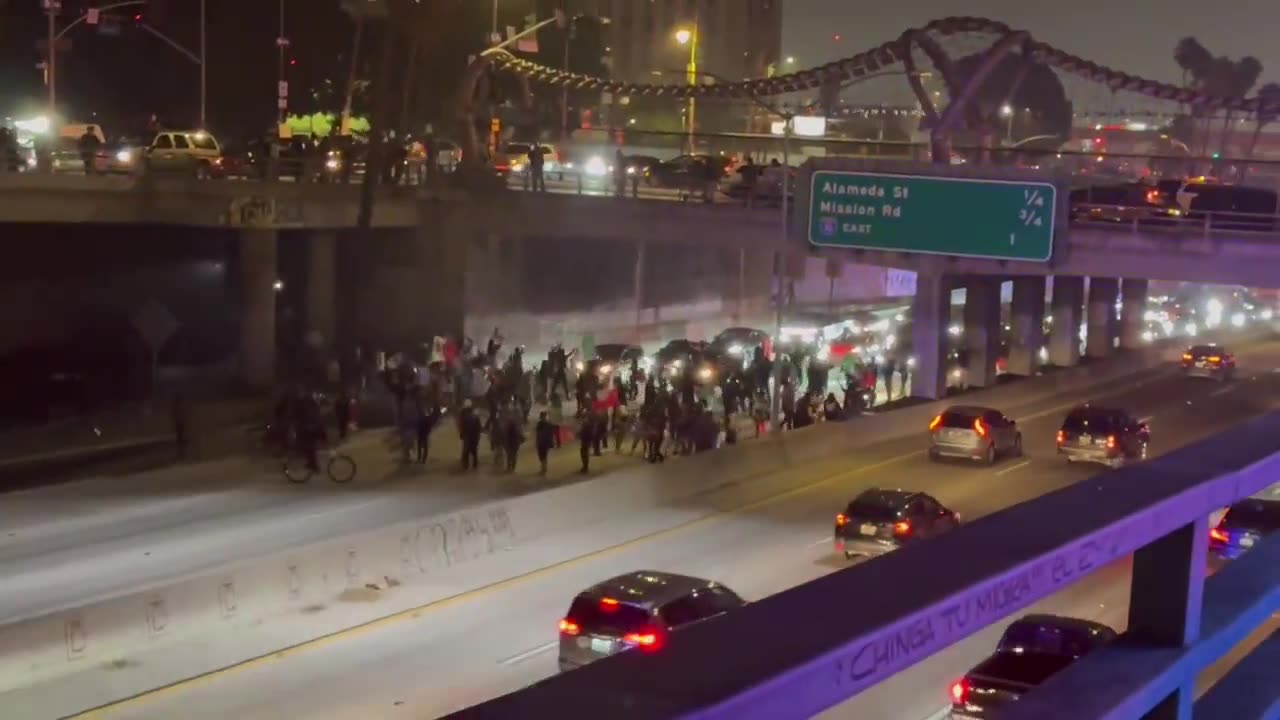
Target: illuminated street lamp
x,y
686,36
1006,112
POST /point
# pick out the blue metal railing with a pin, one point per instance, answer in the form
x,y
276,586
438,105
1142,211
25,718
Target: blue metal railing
x,y
815,646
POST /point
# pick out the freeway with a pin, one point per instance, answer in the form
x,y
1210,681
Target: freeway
x,y
497,639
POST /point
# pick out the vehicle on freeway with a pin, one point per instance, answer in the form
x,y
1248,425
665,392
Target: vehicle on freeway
x,y
193,152
1209,361
514,160
1032,650
740,343
1120,203
686,170
880,521
680,356
1245,524
1108,436
618,358
643,165
639,610
125,156
1234,207
974,433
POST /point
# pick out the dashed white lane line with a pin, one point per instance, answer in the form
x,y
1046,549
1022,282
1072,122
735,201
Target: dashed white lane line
x,y
824,540
1223,390
527,654
1013,468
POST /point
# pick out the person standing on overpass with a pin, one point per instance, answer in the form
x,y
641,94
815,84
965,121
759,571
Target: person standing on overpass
x,y
536,161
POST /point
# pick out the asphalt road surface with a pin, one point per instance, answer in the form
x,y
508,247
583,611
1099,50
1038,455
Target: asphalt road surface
x,y
498,639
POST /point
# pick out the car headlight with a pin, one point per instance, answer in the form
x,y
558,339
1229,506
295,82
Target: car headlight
x,y
735,349
631,171
332,164
1238,320
596,166
517,167
705,374
580,366
124,156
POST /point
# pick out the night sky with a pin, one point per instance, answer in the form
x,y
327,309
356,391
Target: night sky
x,y
134,75
1135,36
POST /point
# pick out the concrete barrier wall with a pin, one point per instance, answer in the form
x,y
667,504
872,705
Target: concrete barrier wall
x,y
70,661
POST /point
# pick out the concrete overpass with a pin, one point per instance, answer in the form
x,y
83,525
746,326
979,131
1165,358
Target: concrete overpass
x,y
447,255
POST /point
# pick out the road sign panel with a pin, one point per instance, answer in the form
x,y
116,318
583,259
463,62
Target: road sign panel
x,y
971,217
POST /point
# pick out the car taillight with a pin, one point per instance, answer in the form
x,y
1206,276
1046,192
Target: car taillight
x,y
901,528
1111,442
1153,197
960,692
608,604
1062,437
569,627
934,423
1215,359
647,640
1186,357
841,520
1217,535
980,428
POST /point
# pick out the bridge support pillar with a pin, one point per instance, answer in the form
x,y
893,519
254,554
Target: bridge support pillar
x,y
931,313
1165,598
257,255
1133,307
322,284
1064,334
1100,340
982,331
1028,325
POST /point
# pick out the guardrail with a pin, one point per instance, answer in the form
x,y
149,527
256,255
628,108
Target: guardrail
x,y
1149,219
810,648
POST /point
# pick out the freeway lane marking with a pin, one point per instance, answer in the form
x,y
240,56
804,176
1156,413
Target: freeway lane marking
x,y
824,540
534,652
1223,390
104,710
1013,468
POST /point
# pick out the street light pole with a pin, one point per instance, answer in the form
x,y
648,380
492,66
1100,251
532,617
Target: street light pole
x,y
281,99
204,86
779,273
51,57
693,80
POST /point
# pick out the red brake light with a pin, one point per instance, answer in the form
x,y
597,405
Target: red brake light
x,y
1217,535
608,604
934,423
901,528
841,520
647,640
959,692
569,627
1111,442
1153,196
1062,437
980,428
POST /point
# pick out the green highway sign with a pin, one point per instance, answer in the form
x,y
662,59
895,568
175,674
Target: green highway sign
x,y
970,217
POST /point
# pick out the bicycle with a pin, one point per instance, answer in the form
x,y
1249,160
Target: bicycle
x,y
340,468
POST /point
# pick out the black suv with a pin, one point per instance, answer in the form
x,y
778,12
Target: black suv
x,y
637,610
1103,435
880,521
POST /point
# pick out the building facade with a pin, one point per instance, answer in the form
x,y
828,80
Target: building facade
x,y
737,39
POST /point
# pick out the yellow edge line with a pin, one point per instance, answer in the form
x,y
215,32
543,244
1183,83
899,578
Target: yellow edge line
x,y
103,711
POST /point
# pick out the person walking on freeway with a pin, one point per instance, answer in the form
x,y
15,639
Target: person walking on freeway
x,y
469,431
546,435
536,161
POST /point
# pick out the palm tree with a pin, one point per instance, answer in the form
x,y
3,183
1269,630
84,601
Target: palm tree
x,y
1197,65
1270,95
1240,79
